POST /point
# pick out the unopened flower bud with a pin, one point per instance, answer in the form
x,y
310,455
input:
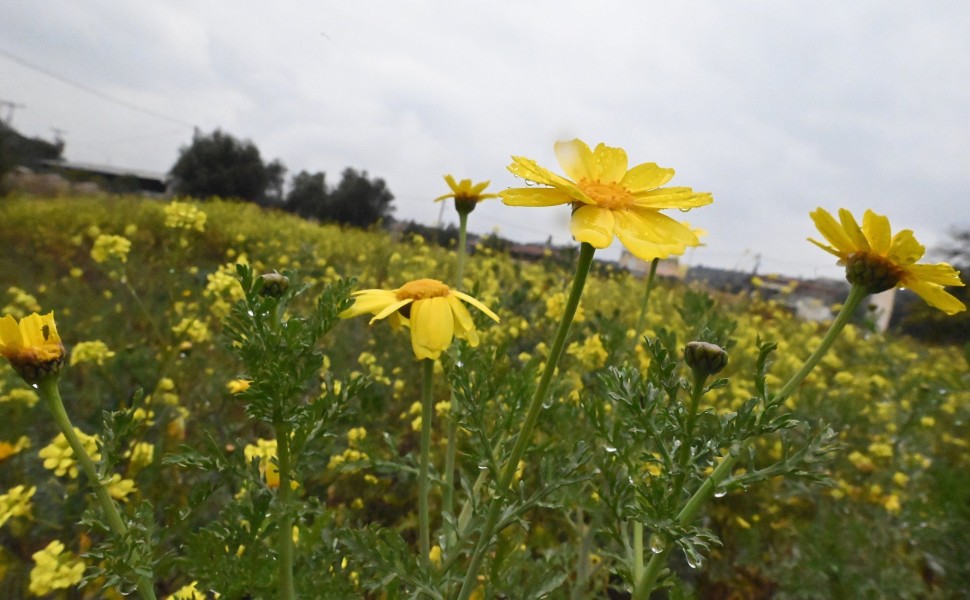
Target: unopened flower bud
x,y
274,284
874,273
704,358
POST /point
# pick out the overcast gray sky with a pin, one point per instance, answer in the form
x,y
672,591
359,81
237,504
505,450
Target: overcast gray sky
x,y
775,107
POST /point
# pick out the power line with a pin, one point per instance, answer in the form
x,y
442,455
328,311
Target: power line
x,y
86,88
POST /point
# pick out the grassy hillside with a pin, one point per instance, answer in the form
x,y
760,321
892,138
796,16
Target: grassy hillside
x,y
892,522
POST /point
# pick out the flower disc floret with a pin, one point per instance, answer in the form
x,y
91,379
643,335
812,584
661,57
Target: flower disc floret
x,y
434,312
609,200
877,260
32,346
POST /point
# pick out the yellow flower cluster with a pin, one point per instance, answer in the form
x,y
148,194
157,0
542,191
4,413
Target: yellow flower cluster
x,y
110,248
350,455
182,215
59,457
16,503
28,397
95,351
55,568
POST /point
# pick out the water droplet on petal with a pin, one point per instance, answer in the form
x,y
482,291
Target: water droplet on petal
x,y
694,561
720,492
657,543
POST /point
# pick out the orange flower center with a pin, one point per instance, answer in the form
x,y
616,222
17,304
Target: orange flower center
x,y
609,195
422,289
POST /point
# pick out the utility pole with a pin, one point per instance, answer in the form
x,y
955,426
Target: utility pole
x,y
11,107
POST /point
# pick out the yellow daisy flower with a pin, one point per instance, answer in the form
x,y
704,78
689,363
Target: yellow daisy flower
x,y
610,200
465,192
32,346
878,260
433,311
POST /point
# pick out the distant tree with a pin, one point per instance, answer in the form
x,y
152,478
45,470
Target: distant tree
x,y
276,173
308,196
359,201
218,164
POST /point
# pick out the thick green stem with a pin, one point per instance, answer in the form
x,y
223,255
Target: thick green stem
x,y
644,585
287,590
646,297
52,396
427,410
528,425
856,295
451,452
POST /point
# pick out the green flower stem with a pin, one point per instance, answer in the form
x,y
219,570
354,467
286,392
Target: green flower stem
x,y
644,584
856,294
528,425
646,296
683,460
637,569
52,396
287,590
638,526
427,410
451,452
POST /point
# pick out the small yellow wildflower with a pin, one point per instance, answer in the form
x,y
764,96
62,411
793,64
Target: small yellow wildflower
x,y
238,386
355,435
609,200
188,592
16,503
434,555
120,488
59,457
110,247
7,449
265,450
32,346
466,194
141,455
95,351
878,260
54,569
433,311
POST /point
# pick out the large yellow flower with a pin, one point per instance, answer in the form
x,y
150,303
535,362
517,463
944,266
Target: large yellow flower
x,y
32,346
432,310
608,199
878,260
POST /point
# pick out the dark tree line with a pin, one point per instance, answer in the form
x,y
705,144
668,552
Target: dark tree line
x,y
220,165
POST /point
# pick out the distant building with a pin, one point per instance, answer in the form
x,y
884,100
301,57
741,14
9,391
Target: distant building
x,y
111,179
666,267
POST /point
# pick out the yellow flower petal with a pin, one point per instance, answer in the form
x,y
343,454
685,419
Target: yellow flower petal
x,y
939,274
391,309
675,197
832,231
609,163
877,231
593,225
432,327
532,196
10,338
646,177
463,319
369,301
935,296
905,250
476,304
852,229
576,159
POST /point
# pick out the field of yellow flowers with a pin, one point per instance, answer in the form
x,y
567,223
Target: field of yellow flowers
x,y
142,291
